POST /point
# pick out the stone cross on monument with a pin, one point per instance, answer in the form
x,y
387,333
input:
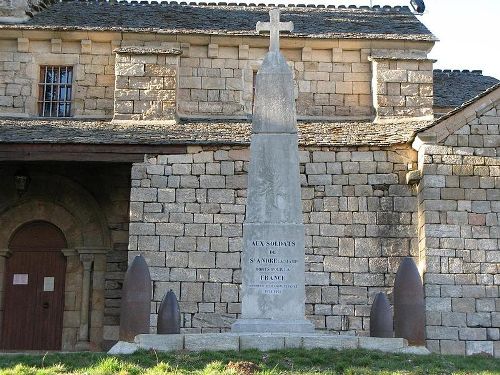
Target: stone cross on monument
x,y
273,277
274,27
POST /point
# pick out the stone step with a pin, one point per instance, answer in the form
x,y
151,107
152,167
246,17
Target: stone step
x,y
264,342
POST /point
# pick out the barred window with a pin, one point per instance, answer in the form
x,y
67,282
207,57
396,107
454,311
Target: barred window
x,y
55,91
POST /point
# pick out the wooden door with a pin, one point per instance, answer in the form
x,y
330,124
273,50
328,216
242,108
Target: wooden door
x,y
34,289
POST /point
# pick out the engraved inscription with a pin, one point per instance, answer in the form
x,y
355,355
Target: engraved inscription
x,y
273,243
272,266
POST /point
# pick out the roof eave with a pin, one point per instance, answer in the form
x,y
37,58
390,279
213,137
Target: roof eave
x,y
371,36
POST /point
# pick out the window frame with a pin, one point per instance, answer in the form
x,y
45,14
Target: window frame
x,y
56,84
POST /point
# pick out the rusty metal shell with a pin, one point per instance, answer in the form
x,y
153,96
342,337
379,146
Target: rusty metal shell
x,y
169,315
381,322
136,300
409,307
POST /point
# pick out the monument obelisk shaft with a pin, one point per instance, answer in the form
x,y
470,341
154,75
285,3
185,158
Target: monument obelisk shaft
x,y
273,290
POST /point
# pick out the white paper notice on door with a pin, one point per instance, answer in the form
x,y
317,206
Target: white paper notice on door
x,y
48,284
20,279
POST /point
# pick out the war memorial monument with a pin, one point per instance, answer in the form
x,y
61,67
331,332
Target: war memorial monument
x,y
273,257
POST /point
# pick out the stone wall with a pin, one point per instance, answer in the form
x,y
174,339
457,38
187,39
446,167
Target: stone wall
x,y
333,81
93,71
186,215
333,77
146,82
459,210
403,87
217,80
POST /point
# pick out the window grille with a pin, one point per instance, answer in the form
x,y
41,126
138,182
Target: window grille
x,y
55,91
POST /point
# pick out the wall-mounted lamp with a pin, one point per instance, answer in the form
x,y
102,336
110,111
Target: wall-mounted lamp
x,y
21,181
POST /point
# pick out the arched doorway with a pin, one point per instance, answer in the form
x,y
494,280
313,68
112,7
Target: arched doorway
x,y
34,288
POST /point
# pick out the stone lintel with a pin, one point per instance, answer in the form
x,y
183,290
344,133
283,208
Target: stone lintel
x,y
401,120
69,252
91,250
147,51
386,54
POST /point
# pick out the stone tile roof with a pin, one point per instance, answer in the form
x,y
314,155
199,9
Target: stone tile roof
x,y
452,88
461,108
73,131
315,22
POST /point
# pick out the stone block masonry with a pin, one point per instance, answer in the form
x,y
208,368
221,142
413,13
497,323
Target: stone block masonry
x,y
332,80
93,73
402,86
459,233
146,83
329,82
186,215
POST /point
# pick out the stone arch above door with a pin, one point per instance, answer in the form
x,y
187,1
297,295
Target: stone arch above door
x,y
37,210
63,202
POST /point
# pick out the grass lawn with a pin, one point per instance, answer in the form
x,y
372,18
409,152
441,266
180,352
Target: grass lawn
x,y
297,361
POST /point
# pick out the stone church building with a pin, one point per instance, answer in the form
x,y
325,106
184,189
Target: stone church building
x,y
124,129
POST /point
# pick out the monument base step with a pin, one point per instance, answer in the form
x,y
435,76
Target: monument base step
x,y
272,326
268,341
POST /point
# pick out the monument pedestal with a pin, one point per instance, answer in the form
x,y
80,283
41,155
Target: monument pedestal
x,y
273,291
